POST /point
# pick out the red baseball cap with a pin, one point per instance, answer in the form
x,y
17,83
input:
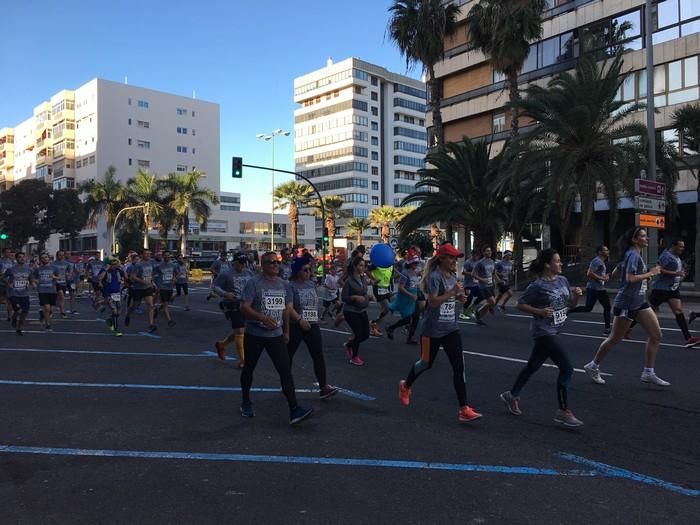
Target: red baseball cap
x,y
448,249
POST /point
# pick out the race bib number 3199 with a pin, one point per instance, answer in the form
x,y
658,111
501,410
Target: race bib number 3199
x,y
274,302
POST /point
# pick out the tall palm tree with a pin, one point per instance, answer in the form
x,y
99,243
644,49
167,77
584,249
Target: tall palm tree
x,y
333,205
357,227
184,195
503,31
104,198
419,29
456,188
384,217
145,190
687,121
292,195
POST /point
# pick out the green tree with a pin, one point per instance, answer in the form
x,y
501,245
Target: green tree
x,y
384,217
24,210
503,32
104,198
184,195
292,195
456,188
67,212
333,207
357,227
145,190
419,29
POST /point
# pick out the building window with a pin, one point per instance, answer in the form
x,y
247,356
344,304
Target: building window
x,y
374,95
129,122
375,170
181,130
375,111
375,201
129,162
193,113
400,88
397,202
375,141
410,146
181,167
144,163
375,155
412,133
128,141
193,132
499,122
375,126
409,161
143,144
92,159
142,104
403,188
409,104
375,81
360,104
181,111
143,124
182,149
129,101
375,185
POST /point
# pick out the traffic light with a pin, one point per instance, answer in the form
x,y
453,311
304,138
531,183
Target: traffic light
x,y
325,234
237,167
4,236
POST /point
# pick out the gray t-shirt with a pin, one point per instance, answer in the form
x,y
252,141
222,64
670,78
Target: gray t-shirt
x,y
44,277
545,293
671,263
305,299
468,267
505,270
219,267
182,273
5,264
18,280
442,320
631,296
142,270
93,269
63,270
598,267
269,297
409,279
164,275
232,282
484,269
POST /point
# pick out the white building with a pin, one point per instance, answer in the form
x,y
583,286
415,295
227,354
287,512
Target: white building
x,y
229,201
360,133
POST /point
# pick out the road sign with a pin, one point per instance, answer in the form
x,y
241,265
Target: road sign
x,y
651,221
643,203
650,187
394,243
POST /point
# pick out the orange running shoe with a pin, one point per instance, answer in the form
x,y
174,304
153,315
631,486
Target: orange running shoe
x,y
467,413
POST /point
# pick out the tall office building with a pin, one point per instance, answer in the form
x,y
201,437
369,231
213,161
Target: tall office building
x,y
360,133
474,95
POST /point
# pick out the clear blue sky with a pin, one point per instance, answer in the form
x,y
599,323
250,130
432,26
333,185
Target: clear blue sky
x,y
242,55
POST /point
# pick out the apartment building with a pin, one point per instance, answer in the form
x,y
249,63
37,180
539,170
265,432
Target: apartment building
x,y
359,134
474,95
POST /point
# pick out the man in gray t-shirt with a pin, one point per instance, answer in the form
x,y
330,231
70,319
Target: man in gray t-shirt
x,y
44,277
485,273
18,279
141,288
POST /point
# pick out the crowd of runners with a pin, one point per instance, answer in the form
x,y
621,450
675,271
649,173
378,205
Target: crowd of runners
x,y
279,303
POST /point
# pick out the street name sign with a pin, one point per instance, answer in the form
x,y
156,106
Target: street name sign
x,y
650,187
644,203
646,220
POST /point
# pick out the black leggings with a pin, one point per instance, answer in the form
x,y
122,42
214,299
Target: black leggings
x,y
591,297
359,324
314,343
452,344
277,350
547,347
411,319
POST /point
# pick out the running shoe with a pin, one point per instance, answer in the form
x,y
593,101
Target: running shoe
x,y
404,393
299,414
593,371
692,341
63,315
692,317
357,361
220,351
651,377
464,316
327,391
348,349
567,418
375,331
118,333
152,328
171,323
247,409
467,413
512,403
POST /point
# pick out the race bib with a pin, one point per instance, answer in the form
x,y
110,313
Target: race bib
x,y
447,312
489,281
643,288
273,302
310,315
676,283
21,283
167,277
116,297
382,291
559,316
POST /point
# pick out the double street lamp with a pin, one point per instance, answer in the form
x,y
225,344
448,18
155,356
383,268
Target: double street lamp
x,y
270,137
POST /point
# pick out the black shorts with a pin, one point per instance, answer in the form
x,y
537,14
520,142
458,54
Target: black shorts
x,y
166,296
236,317
137,295
630,314
47,298
421,295
20,303
384,297
96,286
662,296
61,288
181,288
503,288
3,291
487,291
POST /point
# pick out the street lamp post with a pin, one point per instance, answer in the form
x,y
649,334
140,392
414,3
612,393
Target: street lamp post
x,y
271,138
114,224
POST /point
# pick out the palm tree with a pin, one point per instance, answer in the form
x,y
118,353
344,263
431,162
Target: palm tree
x,y
384,217
145,190
687,121
184,195
503,32
332,205
581,142
419,29
104,198
357,227
456,189
292,195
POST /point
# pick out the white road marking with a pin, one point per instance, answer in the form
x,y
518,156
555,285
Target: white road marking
x,y
515,360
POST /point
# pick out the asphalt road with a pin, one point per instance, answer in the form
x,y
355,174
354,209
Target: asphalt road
x,y
142,429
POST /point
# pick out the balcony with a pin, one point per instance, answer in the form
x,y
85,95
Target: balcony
x,y
44,156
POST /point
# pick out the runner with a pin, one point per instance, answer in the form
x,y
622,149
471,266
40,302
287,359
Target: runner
x,y
45,278
406,299
381,284
597,275
7,262
164,275
666,288
265,302
182,281
485,273
331,289
504,272
630,305
285,265
74,283
221,265
112,279
64,271
141,288
230,286
304,322
547,300
471,286
355,296
18,282
92,270
438,328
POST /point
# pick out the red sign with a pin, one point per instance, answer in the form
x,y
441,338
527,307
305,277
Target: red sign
x,y
650,187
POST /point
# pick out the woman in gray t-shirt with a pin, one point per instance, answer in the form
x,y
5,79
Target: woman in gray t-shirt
x,y
438,327
547,299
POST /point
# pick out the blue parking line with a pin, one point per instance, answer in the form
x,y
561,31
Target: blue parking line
x,y
207,353
343,391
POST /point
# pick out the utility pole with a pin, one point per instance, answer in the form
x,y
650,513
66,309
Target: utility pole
x,y
653,233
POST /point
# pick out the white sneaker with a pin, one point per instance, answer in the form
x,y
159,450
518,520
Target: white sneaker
x,y
651,377
593,372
